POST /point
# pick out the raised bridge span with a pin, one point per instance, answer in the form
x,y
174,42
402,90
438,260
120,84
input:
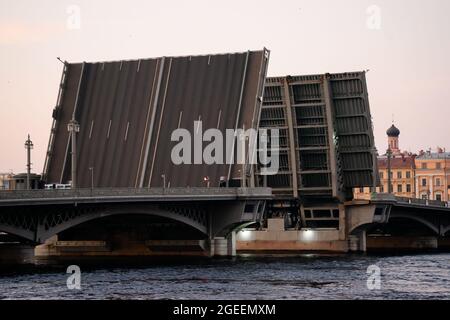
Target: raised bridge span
x,y
122,114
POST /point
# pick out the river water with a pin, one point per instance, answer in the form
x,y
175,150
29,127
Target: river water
x,y
310,276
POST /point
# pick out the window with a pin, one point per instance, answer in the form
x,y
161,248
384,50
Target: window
x,y
399,174
438,182
408,174
399,188
361,190
408,188
424,165
438,165
438,197
381,175
424,182
424,196
382,189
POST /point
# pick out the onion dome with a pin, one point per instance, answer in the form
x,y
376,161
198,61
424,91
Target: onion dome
x,y
393,131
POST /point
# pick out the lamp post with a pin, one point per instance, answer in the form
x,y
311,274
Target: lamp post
x,y
163,176
73,127
91,169
206,180
28,146
446,188
374,171
389,154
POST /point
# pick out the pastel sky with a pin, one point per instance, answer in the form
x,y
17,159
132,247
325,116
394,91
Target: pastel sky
x,y
404,43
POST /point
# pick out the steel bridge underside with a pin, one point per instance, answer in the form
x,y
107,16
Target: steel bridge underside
x,y
436,218
38,215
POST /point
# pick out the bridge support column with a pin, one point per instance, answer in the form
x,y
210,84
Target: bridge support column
x,y
357,242
232,244
342,222
46,249
223,247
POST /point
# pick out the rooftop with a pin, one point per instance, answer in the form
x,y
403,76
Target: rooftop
x,y
433,155
24,175
396,162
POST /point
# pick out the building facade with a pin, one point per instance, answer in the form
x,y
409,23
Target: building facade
x,y
424,176
9,181
402,170
19,181
402,175
5,179
433,175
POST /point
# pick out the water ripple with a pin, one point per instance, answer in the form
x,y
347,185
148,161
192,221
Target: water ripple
x,y
269,277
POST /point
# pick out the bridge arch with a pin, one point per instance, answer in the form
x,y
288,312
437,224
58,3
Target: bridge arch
x,y
190,217
362,227
19,232
365,225
235,227
19,223
432,227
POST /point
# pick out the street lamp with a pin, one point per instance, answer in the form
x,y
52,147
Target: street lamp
x,y
91,169
73,127
389,154
163,176
28,146
206,180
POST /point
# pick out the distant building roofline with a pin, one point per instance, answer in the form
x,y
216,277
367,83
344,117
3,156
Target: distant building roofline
x,y
433,155
22,175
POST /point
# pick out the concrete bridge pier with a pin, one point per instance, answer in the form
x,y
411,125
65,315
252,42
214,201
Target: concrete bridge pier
x,y
402,243
358,217
223,246
357,242
215,247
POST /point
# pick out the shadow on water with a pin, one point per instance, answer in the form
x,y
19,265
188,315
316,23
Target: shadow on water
x,y
12,268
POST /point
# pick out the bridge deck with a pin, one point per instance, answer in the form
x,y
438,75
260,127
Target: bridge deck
x,y
29,197
383,198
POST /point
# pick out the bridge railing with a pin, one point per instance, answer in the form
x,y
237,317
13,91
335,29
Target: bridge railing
x,y
425,202
130,192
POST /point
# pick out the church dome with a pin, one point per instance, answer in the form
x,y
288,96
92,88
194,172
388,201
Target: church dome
x,y
393,131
